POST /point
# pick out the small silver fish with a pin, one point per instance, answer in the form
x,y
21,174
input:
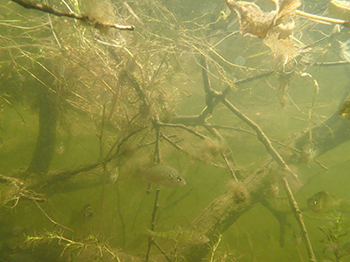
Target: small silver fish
x,y
163,175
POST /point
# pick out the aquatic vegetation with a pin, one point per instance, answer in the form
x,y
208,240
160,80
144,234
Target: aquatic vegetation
x,y
239,191
77,250
335,234
211,149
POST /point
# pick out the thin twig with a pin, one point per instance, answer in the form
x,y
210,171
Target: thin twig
x,y
318,18
161,251
321,165
53,32
122,142
276,156
153,223
206,83
251,133
156,126
53,221
100,136
175,145
299,217
214,248
229,166
185,128
262,137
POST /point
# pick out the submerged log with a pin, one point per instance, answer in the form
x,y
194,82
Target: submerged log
x,y
328,135
45,148
224,211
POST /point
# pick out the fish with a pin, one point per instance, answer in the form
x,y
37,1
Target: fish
x,y
164,175
183,237
82,216
321,202
308,152
87,212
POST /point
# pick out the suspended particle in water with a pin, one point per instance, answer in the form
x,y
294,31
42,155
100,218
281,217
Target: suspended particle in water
x,y
240,60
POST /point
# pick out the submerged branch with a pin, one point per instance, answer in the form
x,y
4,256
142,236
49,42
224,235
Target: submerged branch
x,y
322,19
276,156
17,189
45,146
185,128
262,137
83,17
299,217
206,84
153,223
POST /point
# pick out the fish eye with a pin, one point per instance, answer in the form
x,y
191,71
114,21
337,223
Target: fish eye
x,y
315,203
179,179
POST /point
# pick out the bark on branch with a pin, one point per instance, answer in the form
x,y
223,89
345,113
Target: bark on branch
x,y
83,17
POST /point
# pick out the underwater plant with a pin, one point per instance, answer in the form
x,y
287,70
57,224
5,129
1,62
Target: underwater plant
x,y
335,234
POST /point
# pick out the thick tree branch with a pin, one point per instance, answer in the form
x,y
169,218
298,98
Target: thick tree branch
x,y
83,17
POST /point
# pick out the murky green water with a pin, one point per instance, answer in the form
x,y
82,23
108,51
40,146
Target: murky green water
x,y
87,111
